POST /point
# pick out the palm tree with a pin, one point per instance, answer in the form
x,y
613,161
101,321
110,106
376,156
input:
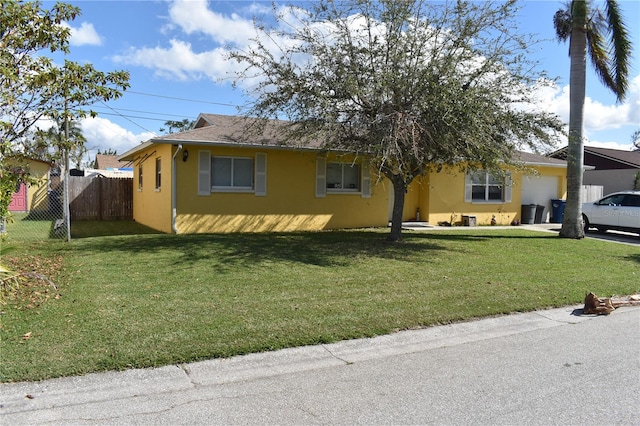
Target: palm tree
x,y
604,36
55,137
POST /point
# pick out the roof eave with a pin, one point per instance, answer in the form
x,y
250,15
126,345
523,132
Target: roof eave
x,y
553,165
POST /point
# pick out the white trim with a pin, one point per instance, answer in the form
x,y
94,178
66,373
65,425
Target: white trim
x,y
507,189
233,188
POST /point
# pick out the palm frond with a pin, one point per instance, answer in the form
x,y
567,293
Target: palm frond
x,y
598,51
620,48
562,23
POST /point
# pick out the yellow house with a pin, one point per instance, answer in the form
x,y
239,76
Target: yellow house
x,y
216,178
32,197
452,196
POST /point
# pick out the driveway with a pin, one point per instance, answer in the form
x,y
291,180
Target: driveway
x,y
612,236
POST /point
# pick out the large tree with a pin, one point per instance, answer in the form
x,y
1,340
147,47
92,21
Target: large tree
x,y
604,38
410,84
33,86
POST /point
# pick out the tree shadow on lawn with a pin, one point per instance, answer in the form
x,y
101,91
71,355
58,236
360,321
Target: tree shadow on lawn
x,y
324,248
633,258
331,248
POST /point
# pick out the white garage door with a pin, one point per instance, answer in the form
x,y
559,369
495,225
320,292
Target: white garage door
x,y
540,190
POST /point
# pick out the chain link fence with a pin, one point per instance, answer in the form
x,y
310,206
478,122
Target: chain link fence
x,y
38,211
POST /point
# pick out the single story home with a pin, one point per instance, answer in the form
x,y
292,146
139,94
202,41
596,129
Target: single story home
x,y
218,178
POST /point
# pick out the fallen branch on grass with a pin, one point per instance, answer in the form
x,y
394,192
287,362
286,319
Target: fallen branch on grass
x,y
12,281
605,305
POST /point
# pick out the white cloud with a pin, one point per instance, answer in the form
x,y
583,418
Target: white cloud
x,y
180,61
597,116
194,16
84,35
103,135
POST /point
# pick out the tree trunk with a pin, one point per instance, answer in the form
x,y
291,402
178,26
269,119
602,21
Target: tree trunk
x,y
572,226
399,191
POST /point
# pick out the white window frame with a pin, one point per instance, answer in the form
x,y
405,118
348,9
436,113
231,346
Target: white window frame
x,y
340,189
364,176
506,188
140,181
232,187
158,173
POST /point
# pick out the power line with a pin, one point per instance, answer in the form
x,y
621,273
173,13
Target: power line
x,y
126,118
147,112
181,99
133,116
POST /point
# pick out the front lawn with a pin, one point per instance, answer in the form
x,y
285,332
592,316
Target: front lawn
x,y
149,300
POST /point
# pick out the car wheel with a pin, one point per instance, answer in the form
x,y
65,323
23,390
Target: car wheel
x,y
585,223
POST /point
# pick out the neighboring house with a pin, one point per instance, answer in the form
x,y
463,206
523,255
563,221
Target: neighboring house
x,y
109,162
613,169
217,178
34,197
110,166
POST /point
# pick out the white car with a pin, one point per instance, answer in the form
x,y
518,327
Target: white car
x,y
619,211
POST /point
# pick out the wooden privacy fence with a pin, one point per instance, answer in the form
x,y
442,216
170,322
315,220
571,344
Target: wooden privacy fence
x,y
100,198
591,193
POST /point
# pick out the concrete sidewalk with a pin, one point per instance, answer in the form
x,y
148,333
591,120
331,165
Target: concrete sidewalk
x,y
540,367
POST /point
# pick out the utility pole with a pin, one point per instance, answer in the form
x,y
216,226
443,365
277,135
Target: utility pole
x,y
65,198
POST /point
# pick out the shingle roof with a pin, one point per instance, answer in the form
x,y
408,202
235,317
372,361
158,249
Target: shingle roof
x,y
631,158
216,129
104,162
236,130
535,159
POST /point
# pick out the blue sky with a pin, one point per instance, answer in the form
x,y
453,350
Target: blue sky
x,y
174,53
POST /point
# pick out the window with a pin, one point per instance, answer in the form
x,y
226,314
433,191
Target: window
x,y
484,187
614,200
631,201
343,177
335,178
158,173
139,178
231,173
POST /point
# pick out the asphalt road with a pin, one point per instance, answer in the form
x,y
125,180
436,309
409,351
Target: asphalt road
x,y
617,237
539,368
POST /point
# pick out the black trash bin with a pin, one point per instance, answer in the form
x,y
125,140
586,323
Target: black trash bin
x,y
557,210
528,214
539,213
55,201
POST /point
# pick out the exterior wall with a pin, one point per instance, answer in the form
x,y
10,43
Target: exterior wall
x,y
416,198
151,206
37,193
612,180
290,203
446,198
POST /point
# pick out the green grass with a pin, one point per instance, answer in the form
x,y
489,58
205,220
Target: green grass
x,y
148,300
